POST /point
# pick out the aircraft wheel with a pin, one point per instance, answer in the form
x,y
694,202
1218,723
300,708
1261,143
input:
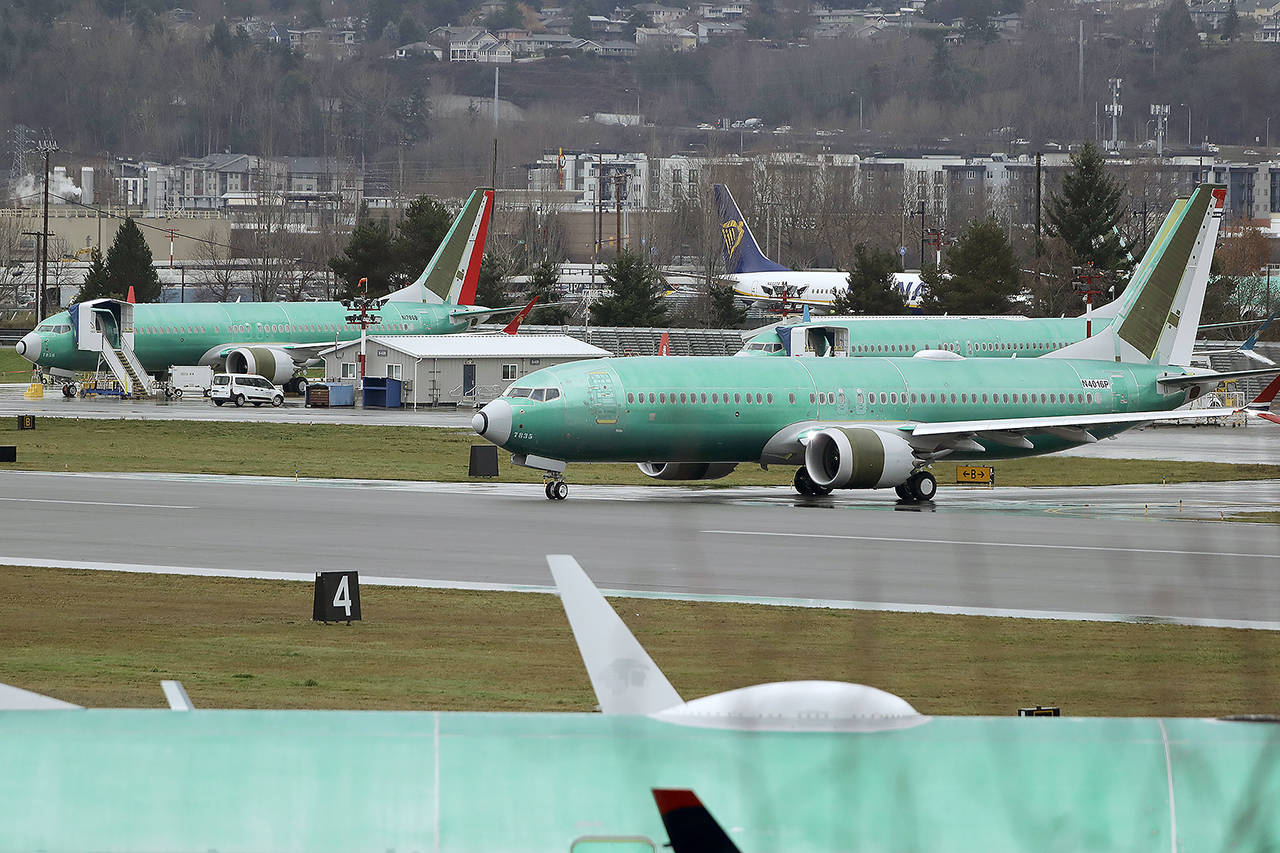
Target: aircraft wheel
x,y
904,491
219,402
560,490
804,483
546,488
923,486
238,400
301,387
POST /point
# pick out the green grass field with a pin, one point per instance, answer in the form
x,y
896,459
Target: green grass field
x,y
13,367
415,453
107,639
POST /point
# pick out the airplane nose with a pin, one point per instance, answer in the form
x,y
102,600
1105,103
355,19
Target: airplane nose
x,y
493,422
29,347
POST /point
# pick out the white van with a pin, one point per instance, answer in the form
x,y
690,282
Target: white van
x,y
241,388
190,381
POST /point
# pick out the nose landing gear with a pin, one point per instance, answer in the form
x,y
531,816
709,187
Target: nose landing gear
x,y
805,485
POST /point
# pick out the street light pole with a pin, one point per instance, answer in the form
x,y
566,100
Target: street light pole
x,y
47,146
1188,106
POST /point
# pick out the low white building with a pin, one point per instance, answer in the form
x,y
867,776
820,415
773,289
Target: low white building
x,y
451,370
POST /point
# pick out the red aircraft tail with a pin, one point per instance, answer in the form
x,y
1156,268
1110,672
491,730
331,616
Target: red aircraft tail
x,y
690,827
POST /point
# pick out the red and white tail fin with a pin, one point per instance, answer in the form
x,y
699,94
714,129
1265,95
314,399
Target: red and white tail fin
x,y
690,827
514,326
1261,404
664,344
454,270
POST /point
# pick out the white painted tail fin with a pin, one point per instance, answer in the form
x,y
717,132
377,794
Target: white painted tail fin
x,y
16,699
624,677
1158,315
454,270
1108,311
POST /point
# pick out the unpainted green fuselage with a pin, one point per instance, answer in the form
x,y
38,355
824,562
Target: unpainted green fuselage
x,y
675,409
197,333
973,337
421,782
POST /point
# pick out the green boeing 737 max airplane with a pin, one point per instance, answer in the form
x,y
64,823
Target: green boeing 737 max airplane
x,y
795,766
869,423
274,339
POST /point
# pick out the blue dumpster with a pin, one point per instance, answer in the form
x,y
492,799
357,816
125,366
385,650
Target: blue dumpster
x,y
381,392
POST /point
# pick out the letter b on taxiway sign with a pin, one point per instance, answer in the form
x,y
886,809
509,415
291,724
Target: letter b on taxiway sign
x,y
337,597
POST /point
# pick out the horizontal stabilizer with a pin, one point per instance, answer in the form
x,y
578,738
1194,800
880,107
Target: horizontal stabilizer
x,y
1215,378
17,699
624,677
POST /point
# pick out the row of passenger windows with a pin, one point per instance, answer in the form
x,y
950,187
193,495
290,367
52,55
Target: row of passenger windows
x,y
830,397
270,328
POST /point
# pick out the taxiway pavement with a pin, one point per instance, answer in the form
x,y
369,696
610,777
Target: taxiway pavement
x,y
1100,551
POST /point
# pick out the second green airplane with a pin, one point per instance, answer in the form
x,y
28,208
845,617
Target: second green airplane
x,y
869,423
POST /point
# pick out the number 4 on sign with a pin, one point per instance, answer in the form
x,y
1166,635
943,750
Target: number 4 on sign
x,y
337,597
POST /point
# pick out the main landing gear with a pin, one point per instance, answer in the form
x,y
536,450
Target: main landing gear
x,y
806,486
919,487
556,489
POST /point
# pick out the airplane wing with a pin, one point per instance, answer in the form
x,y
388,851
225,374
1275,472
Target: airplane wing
x,y
17,699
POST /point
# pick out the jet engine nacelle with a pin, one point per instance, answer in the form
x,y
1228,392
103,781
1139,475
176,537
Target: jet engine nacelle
x,y
276,365
857,458
687,470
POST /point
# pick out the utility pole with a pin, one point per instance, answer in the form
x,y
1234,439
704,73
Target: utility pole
x,y
47,146
921,212
1038,238
361,317
619,181
1115,109
1161,114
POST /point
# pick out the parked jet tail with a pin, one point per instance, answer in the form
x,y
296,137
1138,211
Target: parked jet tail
x,y
454,270
741,253
1159,312
690,827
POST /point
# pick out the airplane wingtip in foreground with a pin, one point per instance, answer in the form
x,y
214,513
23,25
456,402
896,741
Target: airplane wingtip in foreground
x,y
627,681
872,422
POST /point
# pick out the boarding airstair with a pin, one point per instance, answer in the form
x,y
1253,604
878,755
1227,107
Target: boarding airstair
x,y
105,326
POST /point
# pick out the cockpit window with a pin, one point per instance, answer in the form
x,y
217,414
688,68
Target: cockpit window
x,y
519,392
553,393
538,394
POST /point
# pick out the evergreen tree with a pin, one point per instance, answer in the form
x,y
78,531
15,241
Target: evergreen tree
x,y
982,274
128,263
871,288
725,313
368,255
491,289
1231,23
544,283
95,282
636,288
424,226
1175,31
1085,214
580,27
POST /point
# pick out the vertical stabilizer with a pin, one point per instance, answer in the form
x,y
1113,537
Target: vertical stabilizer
x,y
741,253
1159,312
690,827
624,677
454,270
16,699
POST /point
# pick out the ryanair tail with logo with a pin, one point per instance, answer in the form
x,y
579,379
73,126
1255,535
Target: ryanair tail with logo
x,y
741,253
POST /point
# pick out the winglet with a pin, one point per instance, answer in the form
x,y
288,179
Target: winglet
x,y
514,326
624,677
1246,348
664,344
129,298
690,827
177,696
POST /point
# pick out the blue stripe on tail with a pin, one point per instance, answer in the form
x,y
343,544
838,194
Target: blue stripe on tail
x,y
741,254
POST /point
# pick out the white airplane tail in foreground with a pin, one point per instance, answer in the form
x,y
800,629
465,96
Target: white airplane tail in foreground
x,y
627,681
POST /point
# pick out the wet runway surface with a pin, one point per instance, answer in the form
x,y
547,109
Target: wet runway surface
x,y
1128,551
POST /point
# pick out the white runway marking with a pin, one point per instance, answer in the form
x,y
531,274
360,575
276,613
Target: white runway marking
x,y
816,603
95,503
980,544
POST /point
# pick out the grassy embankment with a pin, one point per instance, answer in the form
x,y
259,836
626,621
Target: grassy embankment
x,y
13,367
106,639
415,453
